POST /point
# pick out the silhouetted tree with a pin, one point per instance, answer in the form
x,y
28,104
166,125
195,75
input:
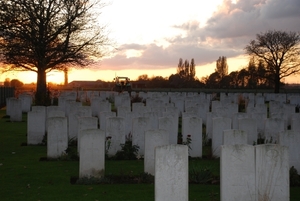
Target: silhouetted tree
x,y
186,72
222,66
143,77
7,82
213,80
16,83
175,81
192,69
41,36
280,51
158,82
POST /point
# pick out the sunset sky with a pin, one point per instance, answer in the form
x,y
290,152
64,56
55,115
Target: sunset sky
x,y
152,35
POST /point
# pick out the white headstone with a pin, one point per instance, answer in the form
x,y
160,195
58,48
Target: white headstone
x,y
15,109
272,129
171,173
115,128
192,130
170,124
26,100
234,136
295,122
139,126
36,126
237,173
153,119
57,136
249,126
218,126
92,153
153,138
291,139
102,118
272,172
85,123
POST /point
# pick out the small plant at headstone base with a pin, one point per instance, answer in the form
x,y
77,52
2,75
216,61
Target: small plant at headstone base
x,y
260,139
205,140
294,177
270,141
71,151
188,142
128,151
201,176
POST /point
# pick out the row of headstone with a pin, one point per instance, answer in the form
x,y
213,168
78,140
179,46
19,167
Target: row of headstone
x,y
289,139
168,163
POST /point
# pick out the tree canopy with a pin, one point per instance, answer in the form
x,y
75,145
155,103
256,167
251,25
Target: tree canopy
x,y
45,35
280,51
222,66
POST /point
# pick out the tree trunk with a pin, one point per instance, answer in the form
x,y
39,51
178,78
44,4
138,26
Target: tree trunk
x,y
41,96
277,83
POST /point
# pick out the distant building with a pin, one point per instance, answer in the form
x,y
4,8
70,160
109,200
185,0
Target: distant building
x,y
89,84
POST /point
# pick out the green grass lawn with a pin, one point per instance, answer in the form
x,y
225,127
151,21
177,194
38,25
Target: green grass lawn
x,y
24,177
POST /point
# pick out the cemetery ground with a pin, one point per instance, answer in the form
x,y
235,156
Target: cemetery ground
x,y
24,176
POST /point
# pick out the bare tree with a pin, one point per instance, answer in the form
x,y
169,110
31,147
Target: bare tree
x,y
280,51
46,35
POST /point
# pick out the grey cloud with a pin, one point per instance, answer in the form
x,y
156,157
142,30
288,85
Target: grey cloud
x,y
277,9
226,33
248,17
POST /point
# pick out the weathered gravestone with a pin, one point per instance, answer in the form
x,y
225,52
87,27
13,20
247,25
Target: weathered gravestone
x,y
219,125
237,174
36,125
291,139
85,123
115,130
295,122
139,126
153,138
92,153
15,109
57,136
170,124
26,101
192,135
254,173
103,116
272,129
171,173
250,127
234,136
272,173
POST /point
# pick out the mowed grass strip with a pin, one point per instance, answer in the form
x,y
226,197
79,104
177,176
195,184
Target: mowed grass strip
x,y
24,177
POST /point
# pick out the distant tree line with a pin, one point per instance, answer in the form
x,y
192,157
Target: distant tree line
x,y
254,75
